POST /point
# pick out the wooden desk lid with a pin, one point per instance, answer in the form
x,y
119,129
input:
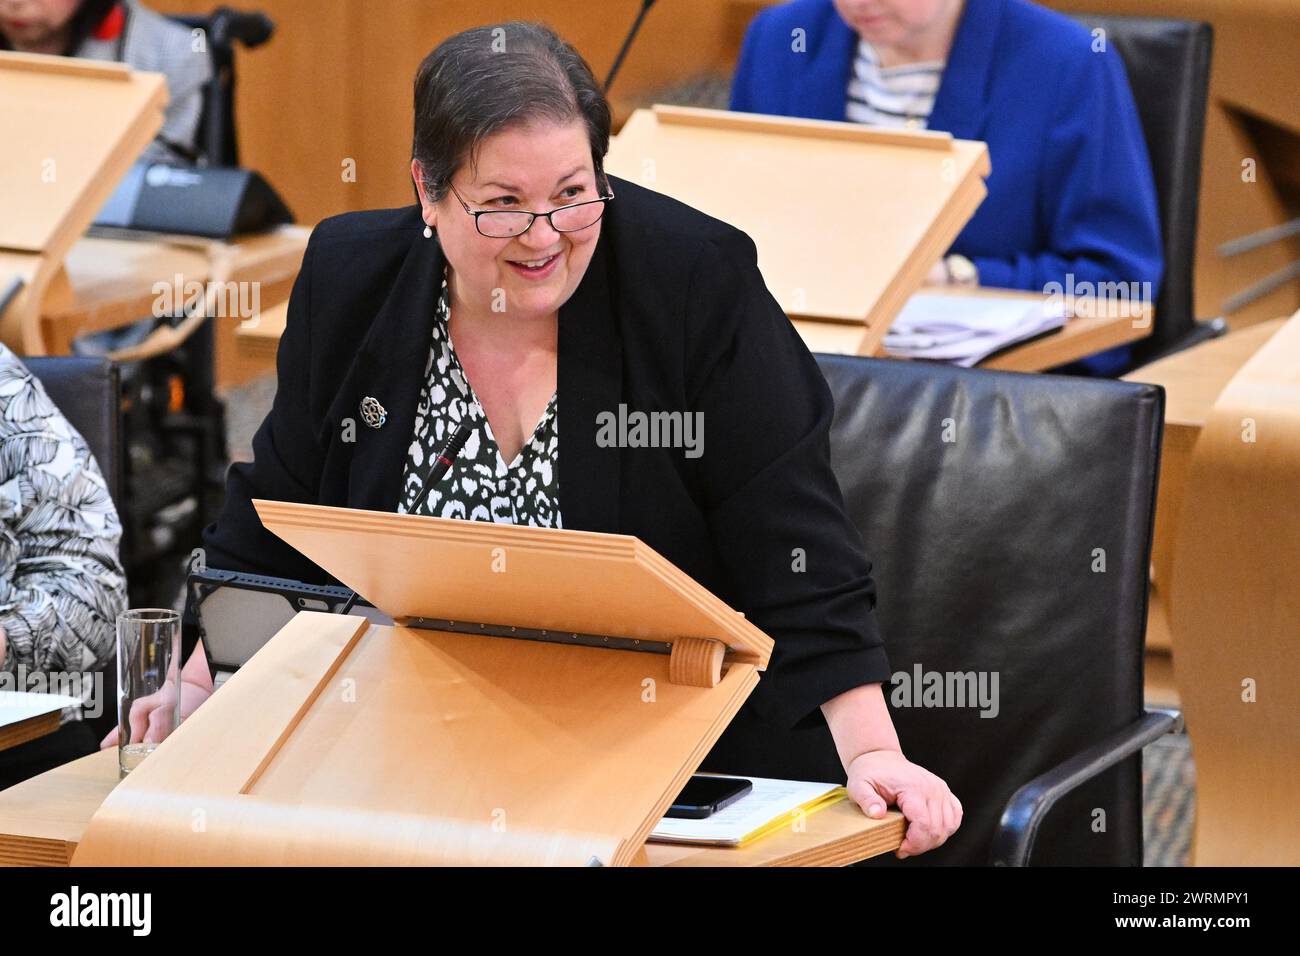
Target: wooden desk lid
x,y
565,582
80,124
799,187
343,744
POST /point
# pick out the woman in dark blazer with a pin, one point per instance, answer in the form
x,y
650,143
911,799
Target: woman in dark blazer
x,y
1071,199
650,307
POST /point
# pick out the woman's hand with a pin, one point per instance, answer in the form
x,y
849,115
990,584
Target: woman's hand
x,y
150,719
882,777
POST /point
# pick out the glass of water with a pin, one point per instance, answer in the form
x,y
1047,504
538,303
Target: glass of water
x,y
148,682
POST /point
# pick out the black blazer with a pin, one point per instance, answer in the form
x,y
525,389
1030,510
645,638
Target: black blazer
x,y
671,315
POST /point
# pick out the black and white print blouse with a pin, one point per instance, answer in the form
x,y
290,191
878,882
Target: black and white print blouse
x,y
480,486
61,582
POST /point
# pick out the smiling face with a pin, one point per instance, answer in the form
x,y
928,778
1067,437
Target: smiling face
x,y
535,167
36,26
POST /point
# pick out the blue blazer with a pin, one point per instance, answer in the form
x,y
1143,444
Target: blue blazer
x,y
1071,191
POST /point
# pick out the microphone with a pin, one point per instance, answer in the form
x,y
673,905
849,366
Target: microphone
x,y
636,26
442,463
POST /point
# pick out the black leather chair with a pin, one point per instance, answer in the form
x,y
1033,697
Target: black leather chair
x,y
1009,521
1168,65
87,391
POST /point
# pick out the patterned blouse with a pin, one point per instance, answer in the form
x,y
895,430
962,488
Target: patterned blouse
x,y
480,486
61,583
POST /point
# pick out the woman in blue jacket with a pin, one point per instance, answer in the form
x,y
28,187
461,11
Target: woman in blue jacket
x,y
1070,199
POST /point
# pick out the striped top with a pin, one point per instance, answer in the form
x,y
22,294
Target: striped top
x,y
900,96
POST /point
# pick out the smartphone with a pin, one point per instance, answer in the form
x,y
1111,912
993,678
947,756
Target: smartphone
x,y
704,796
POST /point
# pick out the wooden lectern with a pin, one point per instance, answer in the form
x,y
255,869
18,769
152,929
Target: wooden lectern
x,y
848,219
542,697
78,125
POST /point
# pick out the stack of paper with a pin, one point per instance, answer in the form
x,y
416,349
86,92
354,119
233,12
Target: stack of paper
x,y
772,804
964,329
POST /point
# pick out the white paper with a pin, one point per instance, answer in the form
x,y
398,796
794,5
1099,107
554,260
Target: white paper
x,y
17,706
966,329
769,800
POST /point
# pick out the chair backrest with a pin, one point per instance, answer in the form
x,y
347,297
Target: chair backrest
x,y
88,392
1009,521
1168,65
217,138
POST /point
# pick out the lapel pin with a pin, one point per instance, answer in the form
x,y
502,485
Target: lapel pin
x,y
372,413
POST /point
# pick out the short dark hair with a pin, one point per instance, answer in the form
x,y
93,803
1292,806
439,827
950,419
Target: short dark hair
x,y
486,79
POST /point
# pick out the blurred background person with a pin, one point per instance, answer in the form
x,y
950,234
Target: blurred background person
x,y
1071,193
123,31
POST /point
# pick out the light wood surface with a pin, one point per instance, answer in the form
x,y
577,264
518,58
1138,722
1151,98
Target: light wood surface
x,y
344,744
259,339
925,185
43,819
1193,379
111,280
836,835
77,118
341,743
83,125
1236,613
562,580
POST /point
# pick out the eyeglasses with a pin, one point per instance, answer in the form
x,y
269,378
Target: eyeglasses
x,y
506,223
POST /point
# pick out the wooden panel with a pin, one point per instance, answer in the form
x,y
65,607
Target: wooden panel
x,y
1193,379
335,82
500,574
1235,608
82,125
43,819
925,185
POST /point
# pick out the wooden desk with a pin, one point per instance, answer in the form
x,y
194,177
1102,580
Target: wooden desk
x,y
108,281
42,820
1081,336
260,339
22,731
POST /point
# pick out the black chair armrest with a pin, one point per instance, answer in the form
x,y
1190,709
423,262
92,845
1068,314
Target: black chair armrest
x,y
1013,840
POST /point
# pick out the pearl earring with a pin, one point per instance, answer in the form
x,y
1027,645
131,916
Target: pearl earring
x,y
428,232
